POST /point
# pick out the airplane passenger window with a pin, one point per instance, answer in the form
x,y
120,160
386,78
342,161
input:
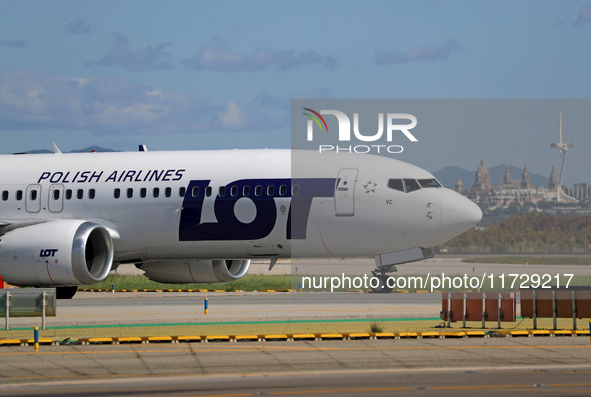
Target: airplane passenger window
x,y
129,192
271,190
91,194
5,195
222,191
79,194
295,190
19,195
195,191
156,192
168,192
282,190
116,193
208,191
246,191
411,185
69,194
182,191
429,183
234,191
33,195
396,184
258,190
56,194
143,192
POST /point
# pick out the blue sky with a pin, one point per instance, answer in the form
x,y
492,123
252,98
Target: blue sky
x,y
209,75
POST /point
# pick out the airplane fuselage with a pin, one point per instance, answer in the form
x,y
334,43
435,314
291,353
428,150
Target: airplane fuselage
x,y
239,204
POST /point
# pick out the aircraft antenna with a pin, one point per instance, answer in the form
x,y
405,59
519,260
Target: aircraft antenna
x,y
56,150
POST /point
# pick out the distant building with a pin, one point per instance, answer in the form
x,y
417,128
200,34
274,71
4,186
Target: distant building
x,y
507,179
459,186
482,180
553,181
580,192
512,190
525,183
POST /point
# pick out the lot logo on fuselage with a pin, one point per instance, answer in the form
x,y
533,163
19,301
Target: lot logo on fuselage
x,y
265,194
394,123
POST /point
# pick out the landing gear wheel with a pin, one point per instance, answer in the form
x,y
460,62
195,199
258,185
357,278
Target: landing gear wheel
x,y
382,287
65,292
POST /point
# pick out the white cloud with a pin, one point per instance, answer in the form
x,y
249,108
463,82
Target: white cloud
x,y
427,53
219,57
584,17
148,58
233,117
79,26
13,43
30,99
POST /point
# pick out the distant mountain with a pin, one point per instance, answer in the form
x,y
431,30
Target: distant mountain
x,y
86,150
448,176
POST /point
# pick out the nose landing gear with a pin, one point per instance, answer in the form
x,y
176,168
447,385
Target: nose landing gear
x,y
386,263
385,284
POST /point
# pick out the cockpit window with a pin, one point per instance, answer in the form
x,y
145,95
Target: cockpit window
x,y
411,185
429,183
396,184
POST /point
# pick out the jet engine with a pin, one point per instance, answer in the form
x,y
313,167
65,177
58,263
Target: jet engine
x,y
195,271
60,253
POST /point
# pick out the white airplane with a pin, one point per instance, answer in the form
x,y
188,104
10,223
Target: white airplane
x,y
201,216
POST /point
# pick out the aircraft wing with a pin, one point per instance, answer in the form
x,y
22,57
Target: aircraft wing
x,y
7,226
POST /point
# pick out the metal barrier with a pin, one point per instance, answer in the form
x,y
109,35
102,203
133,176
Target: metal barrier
x,y
478,306
574,302
27,302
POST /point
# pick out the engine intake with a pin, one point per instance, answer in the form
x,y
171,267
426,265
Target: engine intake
x,y
196,271
62,252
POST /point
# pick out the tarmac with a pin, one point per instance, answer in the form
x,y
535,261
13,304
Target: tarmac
x,y
310,343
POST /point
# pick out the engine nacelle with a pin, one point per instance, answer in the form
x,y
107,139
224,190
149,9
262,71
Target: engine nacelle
x,y
62,252
195,271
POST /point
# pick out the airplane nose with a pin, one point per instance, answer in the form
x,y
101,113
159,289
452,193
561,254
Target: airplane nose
x,y
458,213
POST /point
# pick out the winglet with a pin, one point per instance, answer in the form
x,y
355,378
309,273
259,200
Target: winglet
x,y
143,148
56,150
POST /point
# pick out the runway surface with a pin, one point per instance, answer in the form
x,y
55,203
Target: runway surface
x,y
514,366
487,366
164,307
171,307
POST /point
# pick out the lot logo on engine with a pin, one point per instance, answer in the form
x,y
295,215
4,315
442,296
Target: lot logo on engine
x,y
46,253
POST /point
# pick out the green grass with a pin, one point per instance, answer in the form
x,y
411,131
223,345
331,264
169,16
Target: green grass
x,y
250,282
260,282
532,260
